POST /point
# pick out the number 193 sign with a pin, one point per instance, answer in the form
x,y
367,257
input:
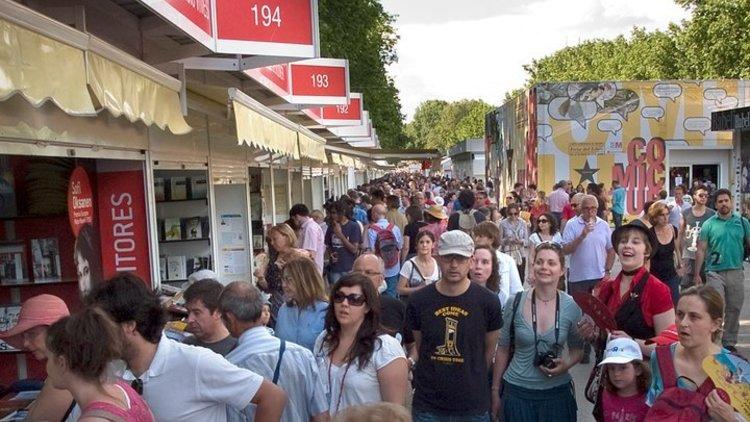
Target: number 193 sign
x,y
267,27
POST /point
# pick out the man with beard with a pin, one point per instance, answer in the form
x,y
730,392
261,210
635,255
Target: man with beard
x,y
698,214
179,382
721,246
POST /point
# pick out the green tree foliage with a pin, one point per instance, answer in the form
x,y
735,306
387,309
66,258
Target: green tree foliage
x,y
362,32
439,124
713,43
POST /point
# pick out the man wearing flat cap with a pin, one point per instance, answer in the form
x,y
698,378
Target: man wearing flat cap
x,y
456,324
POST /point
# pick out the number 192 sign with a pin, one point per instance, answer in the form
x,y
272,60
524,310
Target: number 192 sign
x,y
267,27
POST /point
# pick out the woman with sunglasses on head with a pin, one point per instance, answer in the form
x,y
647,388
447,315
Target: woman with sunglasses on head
x,y
545,231
539,322
668,249
679,366
79,350
359,364
642,305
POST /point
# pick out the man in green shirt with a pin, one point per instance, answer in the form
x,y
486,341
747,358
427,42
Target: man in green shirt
x,y
721,244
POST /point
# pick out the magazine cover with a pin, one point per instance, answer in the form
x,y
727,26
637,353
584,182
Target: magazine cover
x,y
8,320
176,268
12,264
46,258
193,228
172,229
178,188
198,187
159,189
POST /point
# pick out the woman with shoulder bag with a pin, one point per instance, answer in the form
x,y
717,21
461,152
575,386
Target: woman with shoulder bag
x,y
420,270
536,382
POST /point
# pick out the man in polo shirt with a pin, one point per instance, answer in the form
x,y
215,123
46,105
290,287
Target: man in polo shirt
x,y
587,239
311,237
204,319
721,247
558,199
286,364
179,382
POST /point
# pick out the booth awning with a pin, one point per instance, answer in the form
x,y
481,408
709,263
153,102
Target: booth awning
x,y
43,59
312,146
124,92
42,69
261,127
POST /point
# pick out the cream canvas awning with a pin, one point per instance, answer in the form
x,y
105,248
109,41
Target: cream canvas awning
x,y
261,127
312,146
46,60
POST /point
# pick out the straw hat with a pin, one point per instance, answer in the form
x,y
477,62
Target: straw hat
x,y
38,310
436,211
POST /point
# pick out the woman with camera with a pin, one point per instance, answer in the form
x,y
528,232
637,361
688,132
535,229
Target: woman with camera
x,y
535,383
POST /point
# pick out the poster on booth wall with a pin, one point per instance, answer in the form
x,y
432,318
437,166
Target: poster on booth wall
x,y
81,214
122,223
597,132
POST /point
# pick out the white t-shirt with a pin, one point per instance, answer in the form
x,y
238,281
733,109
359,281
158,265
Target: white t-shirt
x,y
510,279
411,272
359,386
190,383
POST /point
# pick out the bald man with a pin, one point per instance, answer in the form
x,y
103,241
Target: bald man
x,y
392,310
391,273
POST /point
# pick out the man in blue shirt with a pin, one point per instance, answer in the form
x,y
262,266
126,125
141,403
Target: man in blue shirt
x,y
618,202
288,365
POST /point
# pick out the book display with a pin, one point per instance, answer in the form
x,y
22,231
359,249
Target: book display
x,y
183,224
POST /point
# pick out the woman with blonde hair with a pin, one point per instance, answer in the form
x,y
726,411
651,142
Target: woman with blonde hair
x,y
302,318
668,248
282,243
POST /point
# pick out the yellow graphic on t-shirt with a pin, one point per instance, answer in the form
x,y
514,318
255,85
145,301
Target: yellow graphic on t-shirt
x,y
448,351
449,347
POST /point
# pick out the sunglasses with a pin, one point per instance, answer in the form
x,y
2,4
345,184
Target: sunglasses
x,y
573,205
542,220
137,385
353,299
548,245
512,214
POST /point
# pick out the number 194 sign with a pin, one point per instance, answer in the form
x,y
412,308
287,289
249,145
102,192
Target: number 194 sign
x,y
286,28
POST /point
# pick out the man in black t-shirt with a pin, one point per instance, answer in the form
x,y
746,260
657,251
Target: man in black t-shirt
x,y
456,325
392,310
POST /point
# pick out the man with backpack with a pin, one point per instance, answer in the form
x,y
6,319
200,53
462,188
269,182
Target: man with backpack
x,y
385,240
721,246
468,217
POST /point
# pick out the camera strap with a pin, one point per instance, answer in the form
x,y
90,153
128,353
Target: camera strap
x,y
533,318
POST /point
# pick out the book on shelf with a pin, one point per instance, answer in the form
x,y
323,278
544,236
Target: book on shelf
x,y
45,255
176,267
198,187
12,263
163,268
172,229
8,320
159,193
193,228
177,188
195,263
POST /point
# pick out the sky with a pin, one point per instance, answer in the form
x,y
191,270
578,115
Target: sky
x,y
455,49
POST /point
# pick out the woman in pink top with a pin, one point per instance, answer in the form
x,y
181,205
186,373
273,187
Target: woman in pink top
x,y
79,349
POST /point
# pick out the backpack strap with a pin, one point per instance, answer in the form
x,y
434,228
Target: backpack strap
x,y
666,366
276,371
516,302
390,227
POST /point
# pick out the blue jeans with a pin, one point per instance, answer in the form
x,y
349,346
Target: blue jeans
x,y
617,219
391,282
427,416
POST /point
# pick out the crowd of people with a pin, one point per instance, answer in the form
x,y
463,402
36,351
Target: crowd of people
x,y
421,293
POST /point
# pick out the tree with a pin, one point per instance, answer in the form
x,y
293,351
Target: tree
x,y
362,32
439,124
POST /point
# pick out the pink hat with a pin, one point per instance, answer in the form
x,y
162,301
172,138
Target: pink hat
x,y
36,311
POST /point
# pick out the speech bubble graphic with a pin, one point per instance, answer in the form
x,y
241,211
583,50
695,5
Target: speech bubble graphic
x,y
544,132
697,124
668,90
728,102
655,113
565,109
609,125
715,94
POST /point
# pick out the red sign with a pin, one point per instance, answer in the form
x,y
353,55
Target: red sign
x,y
122,224
277,75
277,27
191,16
327,81
80,200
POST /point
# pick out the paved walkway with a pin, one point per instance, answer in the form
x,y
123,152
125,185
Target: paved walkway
x,y
581,372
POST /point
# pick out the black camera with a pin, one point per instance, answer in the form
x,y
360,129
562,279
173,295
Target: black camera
x,y
547,359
